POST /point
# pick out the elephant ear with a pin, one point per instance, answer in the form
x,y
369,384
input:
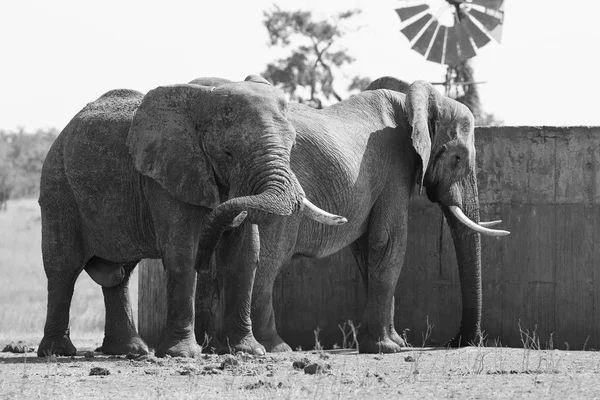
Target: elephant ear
x,y
166,146
257,79
423,105
389,82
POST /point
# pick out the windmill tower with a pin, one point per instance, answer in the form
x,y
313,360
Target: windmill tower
x,y
450,32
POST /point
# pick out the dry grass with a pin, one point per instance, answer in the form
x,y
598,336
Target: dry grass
x,y
23,294
469,373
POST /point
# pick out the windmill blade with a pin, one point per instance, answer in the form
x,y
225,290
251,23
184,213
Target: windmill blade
x,y
413,29
478,35
423,42
476,22
489,22
406,13
436,52
465,48
451,56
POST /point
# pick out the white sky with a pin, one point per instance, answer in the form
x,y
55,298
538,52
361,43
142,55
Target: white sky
x,y
57,55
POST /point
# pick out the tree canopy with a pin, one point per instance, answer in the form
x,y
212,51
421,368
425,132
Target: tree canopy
x,y
21,157
316,55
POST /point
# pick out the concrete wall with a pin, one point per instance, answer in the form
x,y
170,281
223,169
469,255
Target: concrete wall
x,y
544,183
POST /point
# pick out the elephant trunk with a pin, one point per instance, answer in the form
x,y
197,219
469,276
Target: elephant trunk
x,y
279,193
467,244
232,213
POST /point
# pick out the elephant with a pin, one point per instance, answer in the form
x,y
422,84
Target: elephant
x,y
363,158
135,176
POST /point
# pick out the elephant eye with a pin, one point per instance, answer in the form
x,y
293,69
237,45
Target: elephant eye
x,y
456,160
228,155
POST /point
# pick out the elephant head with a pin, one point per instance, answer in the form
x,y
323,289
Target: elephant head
x,y
202,141
443,137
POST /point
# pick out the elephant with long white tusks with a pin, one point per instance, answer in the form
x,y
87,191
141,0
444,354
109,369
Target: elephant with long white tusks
x,y
362,159
134,176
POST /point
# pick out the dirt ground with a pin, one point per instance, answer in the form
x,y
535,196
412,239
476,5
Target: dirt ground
x,y
476,372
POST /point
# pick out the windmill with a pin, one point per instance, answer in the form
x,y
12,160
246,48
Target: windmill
x,y
449,32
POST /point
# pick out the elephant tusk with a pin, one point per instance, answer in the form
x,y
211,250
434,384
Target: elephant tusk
x,y
489,224
457,212
237,221
321,216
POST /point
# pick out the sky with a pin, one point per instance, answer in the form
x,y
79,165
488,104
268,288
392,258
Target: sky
x,y
56,56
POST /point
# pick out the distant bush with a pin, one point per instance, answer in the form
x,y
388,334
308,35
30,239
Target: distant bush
x,y
21,157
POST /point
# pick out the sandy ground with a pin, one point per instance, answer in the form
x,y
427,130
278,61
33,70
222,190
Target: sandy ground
x,y
415,373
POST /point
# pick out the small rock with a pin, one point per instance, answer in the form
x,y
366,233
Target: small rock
x,y
147,358
258,385
151,371
229,362
99,371
409,359
188,370
316,368
300,364
20,347
88,354
246,356
211,370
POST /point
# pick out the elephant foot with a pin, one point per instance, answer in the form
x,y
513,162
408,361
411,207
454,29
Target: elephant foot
x,y
58,345
464,340
276,345
246,345
397,339
187,348
119,345
384,345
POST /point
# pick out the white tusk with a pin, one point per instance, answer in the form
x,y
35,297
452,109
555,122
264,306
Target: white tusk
x,y
237,221
489,224
457,212
321,216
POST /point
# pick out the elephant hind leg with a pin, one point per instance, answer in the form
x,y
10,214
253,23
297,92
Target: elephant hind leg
x,y
63,259
384,255
361,255
120,335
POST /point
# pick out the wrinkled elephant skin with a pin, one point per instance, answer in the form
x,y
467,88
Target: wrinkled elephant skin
x,y
362,158
136,176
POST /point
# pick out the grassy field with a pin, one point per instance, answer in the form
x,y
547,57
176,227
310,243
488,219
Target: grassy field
x,y
23,294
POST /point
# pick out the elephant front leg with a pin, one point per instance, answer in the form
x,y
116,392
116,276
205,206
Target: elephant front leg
x,y
385,256
238,256
120,335
263,317
180,338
